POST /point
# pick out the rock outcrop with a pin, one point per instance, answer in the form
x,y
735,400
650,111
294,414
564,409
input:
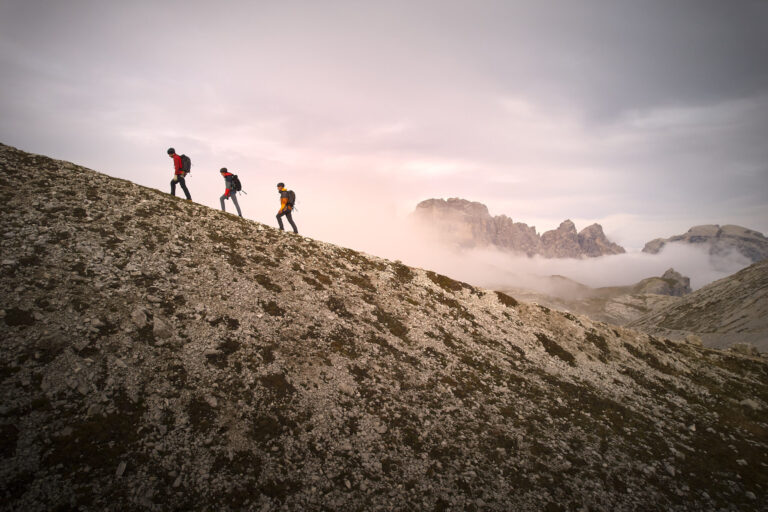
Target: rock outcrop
x,y
617,305
722,241
670,283
469,224
729,311
160,355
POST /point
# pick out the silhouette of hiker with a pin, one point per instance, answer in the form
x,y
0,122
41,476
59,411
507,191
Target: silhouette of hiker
x,y
231,191
178,174
287,198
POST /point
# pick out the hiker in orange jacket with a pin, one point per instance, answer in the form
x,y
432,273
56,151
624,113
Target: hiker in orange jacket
x,y
286,205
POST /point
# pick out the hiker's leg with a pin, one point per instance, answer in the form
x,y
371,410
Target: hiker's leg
x,y
234,200
290,219
222,199
173,187
183,184
280,221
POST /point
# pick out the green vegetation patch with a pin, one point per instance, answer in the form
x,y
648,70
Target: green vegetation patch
x,y
315,284
597,340
403,274
555,350
272,309
91,441
9,435
322,278
16,317
278,386
202,416
446,283
395,326
506,300
649,358
362,281
267,283
336,305
343,341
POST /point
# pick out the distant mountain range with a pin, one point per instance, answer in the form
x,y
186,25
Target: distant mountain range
x,y
469,224
617,305
722,241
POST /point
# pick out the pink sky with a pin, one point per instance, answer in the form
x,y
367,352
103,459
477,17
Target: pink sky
x,y
646,117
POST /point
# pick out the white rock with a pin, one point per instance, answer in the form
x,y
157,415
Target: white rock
x,y
139,318
120,469
161,329
748,402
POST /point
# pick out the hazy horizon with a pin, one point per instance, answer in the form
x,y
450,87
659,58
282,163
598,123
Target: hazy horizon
x,y
648,118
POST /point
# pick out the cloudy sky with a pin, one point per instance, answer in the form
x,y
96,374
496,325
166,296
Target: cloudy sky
x,y
646,116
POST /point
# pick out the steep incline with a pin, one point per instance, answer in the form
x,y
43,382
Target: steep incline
x,y
160,355
731,310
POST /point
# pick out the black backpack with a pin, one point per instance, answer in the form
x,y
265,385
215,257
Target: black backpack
x,y
236,183
291,198
186,164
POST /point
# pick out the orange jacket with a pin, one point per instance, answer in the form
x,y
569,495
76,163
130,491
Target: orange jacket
x,y
284,201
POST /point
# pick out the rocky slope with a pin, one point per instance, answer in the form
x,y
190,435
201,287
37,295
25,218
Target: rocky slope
x,y
729,311
469,224
160,355
617,305
721,240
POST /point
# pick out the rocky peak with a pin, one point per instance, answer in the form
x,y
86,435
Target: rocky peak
x,y
679,284
671,283
469,224
562,242
721,241
593,242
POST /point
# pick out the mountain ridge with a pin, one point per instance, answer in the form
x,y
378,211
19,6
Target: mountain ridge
x,y
721,240
730,310
469,224
161,355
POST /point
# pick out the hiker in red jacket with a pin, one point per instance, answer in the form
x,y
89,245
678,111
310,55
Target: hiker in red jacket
x,y
230,192
178,174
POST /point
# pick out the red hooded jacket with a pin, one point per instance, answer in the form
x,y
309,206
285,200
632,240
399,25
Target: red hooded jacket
x,y
177,165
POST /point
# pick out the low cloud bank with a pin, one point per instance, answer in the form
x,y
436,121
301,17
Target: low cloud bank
x,y
495,269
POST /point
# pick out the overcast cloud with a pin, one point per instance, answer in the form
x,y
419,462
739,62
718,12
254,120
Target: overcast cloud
x,y
648,117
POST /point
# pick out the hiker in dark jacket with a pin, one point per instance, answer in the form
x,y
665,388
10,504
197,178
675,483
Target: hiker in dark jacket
x,y
230,192
285,207
178,174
